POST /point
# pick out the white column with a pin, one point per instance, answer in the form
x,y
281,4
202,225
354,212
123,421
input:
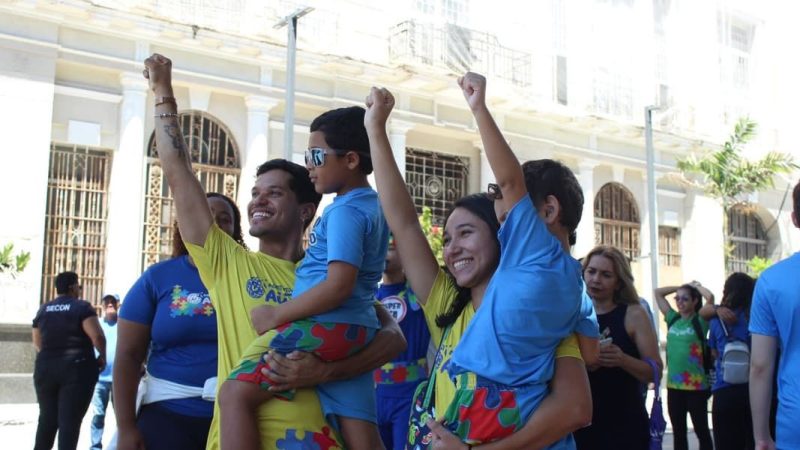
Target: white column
x,y
255,153
126,199
585,231
26,111
485,170
398,135
702,243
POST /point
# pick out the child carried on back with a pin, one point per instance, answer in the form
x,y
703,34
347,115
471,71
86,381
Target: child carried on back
x,y
535,299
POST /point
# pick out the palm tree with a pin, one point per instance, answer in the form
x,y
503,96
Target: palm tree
x,y
729,177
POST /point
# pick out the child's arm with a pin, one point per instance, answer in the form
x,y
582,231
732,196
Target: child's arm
x,y
590,349
504,163
419,263
327,295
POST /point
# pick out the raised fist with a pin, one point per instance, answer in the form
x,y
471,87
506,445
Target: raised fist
x,y
379,104
473,86
158,71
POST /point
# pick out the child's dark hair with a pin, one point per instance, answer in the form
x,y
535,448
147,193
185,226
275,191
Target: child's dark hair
x,y
545,177
695,294
796,200
64,281
738,291
482,207
109,300
179,248
300,183
344,131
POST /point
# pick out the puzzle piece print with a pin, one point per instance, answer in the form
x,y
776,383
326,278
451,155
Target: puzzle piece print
x,y
295,336
484,415
310,441
340,340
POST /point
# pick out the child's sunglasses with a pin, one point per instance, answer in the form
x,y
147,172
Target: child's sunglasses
x,y
315,156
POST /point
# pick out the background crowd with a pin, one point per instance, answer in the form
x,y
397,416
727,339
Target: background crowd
x,y
182,326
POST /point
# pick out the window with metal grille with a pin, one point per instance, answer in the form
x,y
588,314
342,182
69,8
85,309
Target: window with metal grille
x,y
435,180
215,161
76,218
669,246
747,236
616,219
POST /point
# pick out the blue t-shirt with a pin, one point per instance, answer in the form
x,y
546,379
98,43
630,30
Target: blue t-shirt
x,y
776,313
170,298
353,230
717,341
110,330
535,299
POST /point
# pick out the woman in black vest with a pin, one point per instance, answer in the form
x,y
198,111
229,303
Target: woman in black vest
x,y
65,333
619,418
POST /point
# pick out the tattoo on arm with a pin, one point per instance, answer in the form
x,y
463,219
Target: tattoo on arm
x,y
174,132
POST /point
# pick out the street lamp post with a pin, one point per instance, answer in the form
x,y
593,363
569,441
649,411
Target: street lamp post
x,y
290,22
652,200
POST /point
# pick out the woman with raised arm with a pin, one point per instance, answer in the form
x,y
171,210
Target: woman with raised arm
x,y
452,297
688,358
619,417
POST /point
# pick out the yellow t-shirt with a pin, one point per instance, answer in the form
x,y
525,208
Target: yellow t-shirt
x,y
237,281
442,295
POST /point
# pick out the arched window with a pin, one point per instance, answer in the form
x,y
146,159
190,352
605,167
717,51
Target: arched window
x,y
215,160
747,236
616,219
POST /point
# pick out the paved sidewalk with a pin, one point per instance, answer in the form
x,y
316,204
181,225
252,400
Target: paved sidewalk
x,y
18,426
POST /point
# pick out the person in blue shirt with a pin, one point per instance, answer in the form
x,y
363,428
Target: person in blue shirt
x,y
396,381
102,390
730,414
534,300
775,323
332,312
168,322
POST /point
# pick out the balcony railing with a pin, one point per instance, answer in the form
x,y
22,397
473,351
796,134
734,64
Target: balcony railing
x,y
458,49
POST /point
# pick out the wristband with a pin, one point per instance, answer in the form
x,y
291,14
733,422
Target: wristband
x,y
162,100
165,115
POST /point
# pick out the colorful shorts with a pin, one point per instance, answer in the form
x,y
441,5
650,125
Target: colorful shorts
x,y
329,341
483,411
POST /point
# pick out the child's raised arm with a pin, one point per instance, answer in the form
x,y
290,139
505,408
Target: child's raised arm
x,y
419,263
504,163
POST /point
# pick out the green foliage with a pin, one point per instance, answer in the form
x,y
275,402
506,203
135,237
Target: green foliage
x,y
757,265
13,264
728,176
432,232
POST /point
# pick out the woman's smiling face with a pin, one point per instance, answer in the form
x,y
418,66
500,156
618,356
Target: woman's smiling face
x,y
470,249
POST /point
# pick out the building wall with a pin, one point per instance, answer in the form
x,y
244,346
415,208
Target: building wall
x,y
66,63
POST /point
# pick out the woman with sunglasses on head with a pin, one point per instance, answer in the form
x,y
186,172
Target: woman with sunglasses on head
x,y
619,418
65,330
688,359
